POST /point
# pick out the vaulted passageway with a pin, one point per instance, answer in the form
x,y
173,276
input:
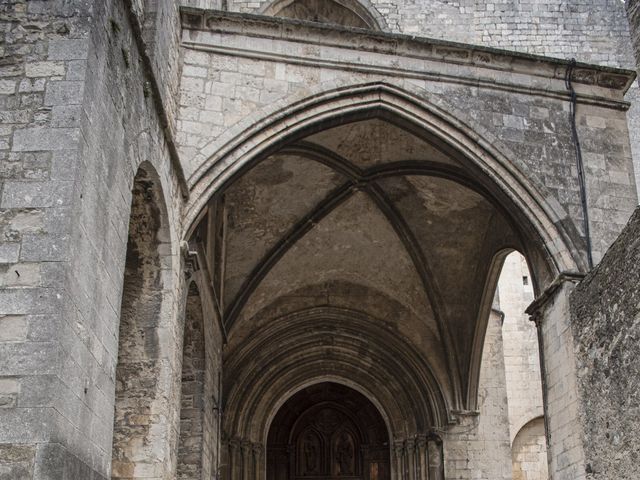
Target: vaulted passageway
x,y
364,254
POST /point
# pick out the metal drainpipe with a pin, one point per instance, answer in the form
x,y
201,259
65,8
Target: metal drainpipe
x,y
536,318
576,142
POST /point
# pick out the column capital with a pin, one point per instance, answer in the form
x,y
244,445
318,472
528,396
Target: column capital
x,y
191,259
258,449
398,446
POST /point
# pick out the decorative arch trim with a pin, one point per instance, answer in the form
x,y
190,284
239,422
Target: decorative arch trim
x,y
364,9
269,367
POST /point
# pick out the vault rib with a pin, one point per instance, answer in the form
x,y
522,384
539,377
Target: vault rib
x,y
365,180
334,199
421,264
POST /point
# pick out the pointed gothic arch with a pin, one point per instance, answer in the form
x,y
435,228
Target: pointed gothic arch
x,y
140,413
552,249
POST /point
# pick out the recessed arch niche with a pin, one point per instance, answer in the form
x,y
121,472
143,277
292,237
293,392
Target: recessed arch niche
x,y
140,410
348,13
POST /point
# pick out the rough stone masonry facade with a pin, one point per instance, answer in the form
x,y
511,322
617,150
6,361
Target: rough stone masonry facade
x,y
79,115
92,90
605,317
590,31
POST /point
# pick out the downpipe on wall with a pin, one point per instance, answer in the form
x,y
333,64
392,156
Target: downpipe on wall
x,y
579,161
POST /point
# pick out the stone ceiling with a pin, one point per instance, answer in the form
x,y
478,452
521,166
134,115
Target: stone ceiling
x,y
369,217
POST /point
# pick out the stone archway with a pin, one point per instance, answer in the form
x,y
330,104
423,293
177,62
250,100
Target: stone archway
x,y
142,409
327,431
359,247
294,355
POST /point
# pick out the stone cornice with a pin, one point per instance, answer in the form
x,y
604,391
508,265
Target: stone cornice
x,y
548,294
598,82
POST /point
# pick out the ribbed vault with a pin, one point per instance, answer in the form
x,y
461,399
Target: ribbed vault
x,y
368,214
399,217
357,239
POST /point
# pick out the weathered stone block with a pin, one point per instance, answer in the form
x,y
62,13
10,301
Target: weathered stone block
x,y
42,138
68,49
30,85
64,93
44,69
16,462
36,194
29,358
42,248
13,328
9,252
7,87
76,70
18,301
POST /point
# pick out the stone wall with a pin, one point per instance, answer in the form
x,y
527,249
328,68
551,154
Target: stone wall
x,y
529,452
565,447
190,451
479,447
633,15
522,369
521,356
78,118
605,318
200,410
43,81
594,31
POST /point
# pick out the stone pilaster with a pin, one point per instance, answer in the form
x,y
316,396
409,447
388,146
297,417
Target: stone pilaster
x,y
551,314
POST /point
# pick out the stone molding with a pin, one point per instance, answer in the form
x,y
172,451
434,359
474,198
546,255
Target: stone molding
x,y
258,384
513,71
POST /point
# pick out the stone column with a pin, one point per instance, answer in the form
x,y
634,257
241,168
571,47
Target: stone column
x,y
258,465
435,456
247,460
421,460
292,460
234,462
366,459
398,450
411,464
551,314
